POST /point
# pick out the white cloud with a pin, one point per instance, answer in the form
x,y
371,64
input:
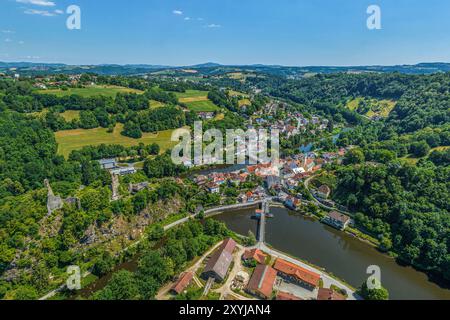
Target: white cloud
x,y
177,12
213,25
8,40
187,18
44,13
8,31
43,3
200,19
21,42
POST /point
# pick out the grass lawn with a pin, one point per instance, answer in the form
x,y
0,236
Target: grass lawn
x,y
70,115
76,139
110,91
202,106
191,94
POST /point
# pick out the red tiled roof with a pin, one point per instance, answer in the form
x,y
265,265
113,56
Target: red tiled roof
x,y
183,282
287,296
297,272
262,280
255,254
329,294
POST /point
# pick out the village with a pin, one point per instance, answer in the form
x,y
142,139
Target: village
x,y
234,272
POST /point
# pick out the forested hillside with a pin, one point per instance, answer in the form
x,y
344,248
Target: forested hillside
x,y
397,177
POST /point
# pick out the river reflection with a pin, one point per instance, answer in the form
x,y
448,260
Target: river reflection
x,y
337,252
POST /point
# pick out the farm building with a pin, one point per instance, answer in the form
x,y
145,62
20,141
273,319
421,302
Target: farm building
x,y
295,273
218,264
183,282
262,281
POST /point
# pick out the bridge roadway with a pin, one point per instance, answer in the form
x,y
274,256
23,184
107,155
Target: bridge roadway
x,y
262,222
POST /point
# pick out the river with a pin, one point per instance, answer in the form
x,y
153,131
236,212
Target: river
x,y
337,252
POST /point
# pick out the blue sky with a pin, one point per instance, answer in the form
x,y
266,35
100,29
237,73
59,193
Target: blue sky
x,y
170,32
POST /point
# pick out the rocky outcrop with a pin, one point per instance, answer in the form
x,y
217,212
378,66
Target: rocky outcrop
x,y
53,202
115,187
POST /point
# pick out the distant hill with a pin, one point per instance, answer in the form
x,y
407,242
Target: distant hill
x,y
206,65
31,68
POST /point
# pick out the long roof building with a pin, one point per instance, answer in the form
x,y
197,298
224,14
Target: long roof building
x,y
298,273
220,261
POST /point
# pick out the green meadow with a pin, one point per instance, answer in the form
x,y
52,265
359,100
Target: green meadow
x,y
69,140
202,106
197,101
109,91
191,94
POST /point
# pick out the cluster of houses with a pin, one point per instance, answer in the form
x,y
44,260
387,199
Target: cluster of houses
x,y
293,123
213,181
263,282
251,196
265,279
284,175
44,82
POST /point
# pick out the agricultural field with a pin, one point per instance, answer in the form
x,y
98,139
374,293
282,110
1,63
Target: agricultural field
x,y
197,101
202,106
191,94
76,139
109,91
